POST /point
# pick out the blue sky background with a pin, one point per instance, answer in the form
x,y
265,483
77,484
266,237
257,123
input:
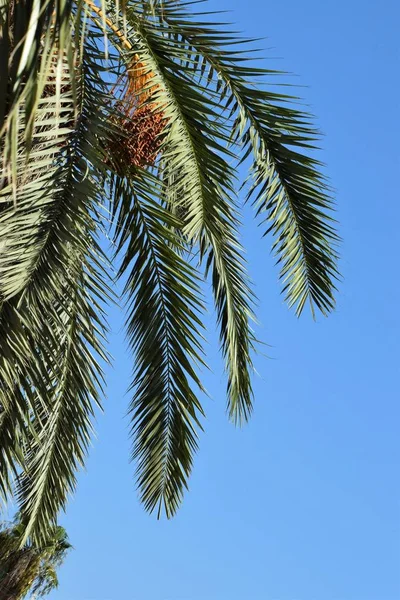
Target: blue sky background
x,y
304,502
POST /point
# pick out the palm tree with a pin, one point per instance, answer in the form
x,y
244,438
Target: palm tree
x,y
30,568
128,120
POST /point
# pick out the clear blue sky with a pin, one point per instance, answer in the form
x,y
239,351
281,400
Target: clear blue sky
x,y
304,503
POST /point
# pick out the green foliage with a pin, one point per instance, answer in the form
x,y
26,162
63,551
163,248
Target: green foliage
x,y
26,567
65,131
163,325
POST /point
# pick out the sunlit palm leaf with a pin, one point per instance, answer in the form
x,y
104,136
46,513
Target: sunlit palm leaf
x,y
164,330
289,191
31,35
195,149
69,149
60,305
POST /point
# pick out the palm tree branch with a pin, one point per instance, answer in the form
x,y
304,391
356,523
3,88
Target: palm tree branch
x,y
164,331
289,188
195,149
62,306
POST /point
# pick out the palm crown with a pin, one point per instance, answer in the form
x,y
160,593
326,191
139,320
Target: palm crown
x,y
130,119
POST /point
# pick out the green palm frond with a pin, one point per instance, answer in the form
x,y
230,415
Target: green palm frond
x,y
27,219
29,265
288,190
63,428
32,34
61,308
46,582
9,445
202,191
18,400
164,331
156,132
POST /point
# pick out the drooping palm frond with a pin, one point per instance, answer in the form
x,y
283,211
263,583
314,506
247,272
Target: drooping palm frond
x,y
62,429
32,34
194,149
22,384
60,306
10,444
27,231
30,260
157,133
288,189
164,331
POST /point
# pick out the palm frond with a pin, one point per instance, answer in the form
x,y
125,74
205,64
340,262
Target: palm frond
x,y
164,331
29,220
19,377
30,568
194,150
63,429
61,308
46,582
164,152
10,443
32,34
288,190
